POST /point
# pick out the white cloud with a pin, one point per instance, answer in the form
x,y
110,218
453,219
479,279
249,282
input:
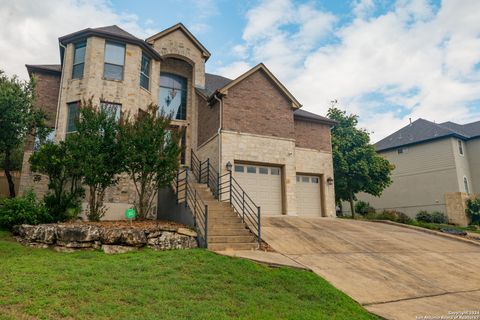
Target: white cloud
x,y
414,61
30,28
234,70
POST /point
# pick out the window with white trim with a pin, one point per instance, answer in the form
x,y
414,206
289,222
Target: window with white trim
x,y
145,72
114,109
460,147
465,184
114,61
73,111
78,59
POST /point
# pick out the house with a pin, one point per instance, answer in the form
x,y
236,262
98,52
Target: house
x,y
433,162
279,154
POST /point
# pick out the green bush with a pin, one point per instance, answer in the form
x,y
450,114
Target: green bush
x,y
23,210
473,210
363,208
423,216
439,217
431,217
391,215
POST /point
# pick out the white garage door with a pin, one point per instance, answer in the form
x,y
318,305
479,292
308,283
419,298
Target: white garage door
x,y
308,195
263,184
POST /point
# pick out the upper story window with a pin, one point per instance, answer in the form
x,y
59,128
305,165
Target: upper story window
x,y
114,61
78,60
72,114
465,183
173,95
114,109
460,147
402,150
145,72
37,143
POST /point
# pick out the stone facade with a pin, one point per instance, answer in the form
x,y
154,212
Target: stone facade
x,y
455,203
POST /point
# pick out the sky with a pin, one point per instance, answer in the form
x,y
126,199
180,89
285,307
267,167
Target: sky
x,y
386,61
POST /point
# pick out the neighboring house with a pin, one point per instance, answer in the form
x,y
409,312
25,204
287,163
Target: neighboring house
x,y
280,154
431,160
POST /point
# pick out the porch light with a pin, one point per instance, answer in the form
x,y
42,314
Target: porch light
x,y
229,166
329,181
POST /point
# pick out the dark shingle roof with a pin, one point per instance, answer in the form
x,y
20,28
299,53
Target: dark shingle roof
x,y
212,83
113,32
305,115
423,130
51,68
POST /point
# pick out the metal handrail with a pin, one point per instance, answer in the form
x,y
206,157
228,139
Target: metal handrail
x,y
185,192
225,188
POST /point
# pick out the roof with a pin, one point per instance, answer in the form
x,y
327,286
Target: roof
x,y
180,26
423,130
213,82
309,116
44,68
113,32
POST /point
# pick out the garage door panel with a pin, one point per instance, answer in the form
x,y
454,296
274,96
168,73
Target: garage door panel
x,y
262,186
308,195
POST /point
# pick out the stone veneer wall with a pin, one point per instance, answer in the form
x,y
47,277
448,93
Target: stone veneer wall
x,y
455,203
210,150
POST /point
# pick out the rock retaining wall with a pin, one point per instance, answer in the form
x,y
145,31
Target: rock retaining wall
x,y
71,237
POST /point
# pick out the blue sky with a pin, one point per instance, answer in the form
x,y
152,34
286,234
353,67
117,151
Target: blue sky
x,y
386,61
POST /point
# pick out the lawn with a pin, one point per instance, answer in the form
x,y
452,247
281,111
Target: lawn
x,y
190,284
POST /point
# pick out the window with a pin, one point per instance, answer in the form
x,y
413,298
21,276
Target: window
x,y
298,178
49,138
73,112
465,183
263,170
314,180
251,169
173,95
460,147
239,168
145,72
114,61
274,171
115,109
305,179
402,150
78,60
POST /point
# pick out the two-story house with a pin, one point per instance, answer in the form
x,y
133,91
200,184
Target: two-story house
x,y
431,160
279,154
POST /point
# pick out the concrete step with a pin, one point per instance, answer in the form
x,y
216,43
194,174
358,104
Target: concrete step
x,y
232,246
225,225
229,232
223,220
231,239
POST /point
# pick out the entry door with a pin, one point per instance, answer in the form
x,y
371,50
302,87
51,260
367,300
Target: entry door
x,y
263,184
308,195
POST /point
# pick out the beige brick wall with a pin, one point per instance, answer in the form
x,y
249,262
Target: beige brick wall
x,y
210,150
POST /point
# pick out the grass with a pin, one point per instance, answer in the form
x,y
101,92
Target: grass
x,y
190,284
438,226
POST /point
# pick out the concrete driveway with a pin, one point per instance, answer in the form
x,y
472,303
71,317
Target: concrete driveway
x,y
395,272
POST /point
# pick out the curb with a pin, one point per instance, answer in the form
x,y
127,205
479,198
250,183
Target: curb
x,y
434,232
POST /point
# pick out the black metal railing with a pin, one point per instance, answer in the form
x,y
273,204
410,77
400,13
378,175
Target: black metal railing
x,y
187,194
226,189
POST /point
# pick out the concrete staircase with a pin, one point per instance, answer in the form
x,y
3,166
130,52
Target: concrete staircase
x,y
226,231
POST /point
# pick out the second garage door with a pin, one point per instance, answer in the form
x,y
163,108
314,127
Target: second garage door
x,y
308,195
263,184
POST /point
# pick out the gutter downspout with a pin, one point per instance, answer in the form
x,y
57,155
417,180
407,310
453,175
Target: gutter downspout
x,y
220,102
60,90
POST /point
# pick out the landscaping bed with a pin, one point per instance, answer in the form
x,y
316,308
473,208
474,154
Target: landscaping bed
x,y
148,284
109,236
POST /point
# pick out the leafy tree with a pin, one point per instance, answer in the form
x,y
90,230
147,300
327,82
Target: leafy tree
x,y
473,210
63,169
357,167
18,118
151,154
96,146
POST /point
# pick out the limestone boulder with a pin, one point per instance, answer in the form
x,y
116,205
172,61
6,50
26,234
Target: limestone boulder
x,y
187,232
170,240
134,237
77,233
111,236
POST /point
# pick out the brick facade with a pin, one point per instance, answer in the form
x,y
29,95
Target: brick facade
x,y
256,105
208,120
312,135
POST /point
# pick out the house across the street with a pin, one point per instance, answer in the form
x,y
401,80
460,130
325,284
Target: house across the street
x,y
278,153
437,166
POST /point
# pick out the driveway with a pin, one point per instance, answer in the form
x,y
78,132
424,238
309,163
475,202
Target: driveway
x,y
395,272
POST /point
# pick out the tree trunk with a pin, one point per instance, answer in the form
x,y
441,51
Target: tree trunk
x,y
11,184
352,207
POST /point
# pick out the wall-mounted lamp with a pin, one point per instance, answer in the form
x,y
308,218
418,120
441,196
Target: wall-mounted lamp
x,y
229,166
329,181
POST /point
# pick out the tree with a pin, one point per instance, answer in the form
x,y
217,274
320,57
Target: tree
x,y
63,169
151,152
96,146
18,118
357,166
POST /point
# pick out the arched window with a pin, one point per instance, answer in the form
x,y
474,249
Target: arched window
x,y
465,183
173,95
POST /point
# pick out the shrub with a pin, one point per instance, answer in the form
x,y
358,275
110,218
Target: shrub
x,y
363,208
423,216
23,210
473,210
439,217
391,215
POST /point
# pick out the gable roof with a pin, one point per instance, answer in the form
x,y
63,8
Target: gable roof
x,y
422,130
113,32
309,116
180,26
261,66
213,82
44,68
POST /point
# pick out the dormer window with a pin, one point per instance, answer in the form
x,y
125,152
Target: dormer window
x,y
78,60
114,61
173,95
